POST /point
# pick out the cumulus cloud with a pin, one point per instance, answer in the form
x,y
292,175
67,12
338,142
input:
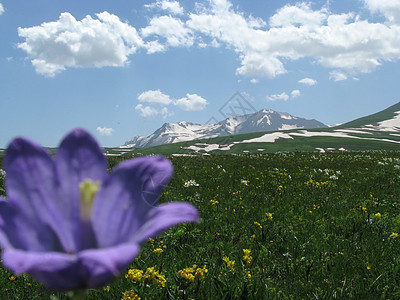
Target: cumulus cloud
x,y
295,94
298,15
308,81
336,75
1,9
171,6
146,111
173,30
388,8
343,42
105,131
276,97
191,102
337,41
105,41
154,96
284,96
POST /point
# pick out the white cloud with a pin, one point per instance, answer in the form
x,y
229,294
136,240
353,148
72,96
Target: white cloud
x,y
342,42
173,30
336,75
298,15
308,81
1,9
154,47
146,111
295,94
154,96
254,80
105,131
171,6
191,102
105,41
337,41
389,8
276,97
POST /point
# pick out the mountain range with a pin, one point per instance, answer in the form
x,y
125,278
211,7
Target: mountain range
x,y
263,120
377,132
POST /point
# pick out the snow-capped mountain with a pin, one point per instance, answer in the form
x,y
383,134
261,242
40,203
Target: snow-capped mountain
x,y
264,120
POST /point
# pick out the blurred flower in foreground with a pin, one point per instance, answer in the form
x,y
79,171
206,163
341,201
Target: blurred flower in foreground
x,y
70,224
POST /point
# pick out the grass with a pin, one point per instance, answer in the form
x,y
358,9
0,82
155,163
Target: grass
x,y
386,114
320,226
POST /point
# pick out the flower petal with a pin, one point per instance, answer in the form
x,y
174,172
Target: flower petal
x,y
78,158
30,184
57,270
104,264
163,217
125,198
17,231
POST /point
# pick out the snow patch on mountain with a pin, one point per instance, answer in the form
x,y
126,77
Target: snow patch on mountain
x,y
263,120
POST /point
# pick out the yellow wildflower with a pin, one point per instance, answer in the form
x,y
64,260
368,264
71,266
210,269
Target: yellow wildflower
x,y
247,256
269,216
187,273
394,235
258,224
158,251
230,263
155,277
201,272
378,215
213,202
134,274
130,295
12,278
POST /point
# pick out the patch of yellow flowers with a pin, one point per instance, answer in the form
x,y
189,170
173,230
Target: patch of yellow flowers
x,y
247,256
190,274
229,263
151,275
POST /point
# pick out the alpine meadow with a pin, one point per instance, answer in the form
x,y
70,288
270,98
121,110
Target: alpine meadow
x,y
196,150
273,226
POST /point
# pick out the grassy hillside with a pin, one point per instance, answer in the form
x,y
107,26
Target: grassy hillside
x,y
386,114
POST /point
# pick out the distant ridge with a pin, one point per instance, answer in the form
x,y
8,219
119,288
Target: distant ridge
x,y
263,120
376,132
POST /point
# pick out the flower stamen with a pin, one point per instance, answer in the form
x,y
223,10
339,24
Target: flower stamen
x,y
87,191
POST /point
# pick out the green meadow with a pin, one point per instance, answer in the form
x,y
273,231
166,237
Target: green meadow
x,y
273,226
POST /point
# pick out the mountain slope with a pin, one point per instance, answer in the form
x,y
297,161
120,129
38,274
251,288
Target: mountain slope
x,y
374,119
264,120
379,131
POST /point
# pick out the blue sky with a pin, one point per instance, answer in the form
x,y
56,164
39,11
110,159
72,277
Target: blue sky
x,y
123,68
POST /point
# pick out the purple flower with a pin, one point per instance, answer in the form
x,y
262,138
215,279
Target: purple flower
x,y
70,224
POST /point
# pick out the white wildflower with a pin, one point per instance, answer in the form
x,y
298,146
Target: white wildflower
x,y
191,183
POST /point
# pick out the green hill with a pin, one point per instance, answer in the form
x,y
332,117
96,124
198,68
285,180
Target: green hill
x,y
373,119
